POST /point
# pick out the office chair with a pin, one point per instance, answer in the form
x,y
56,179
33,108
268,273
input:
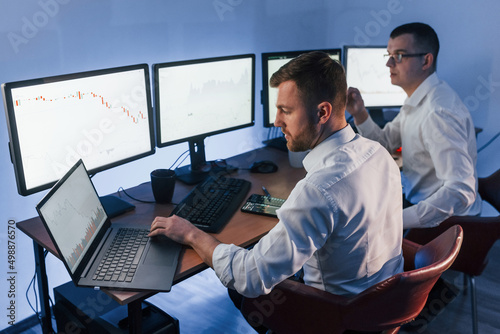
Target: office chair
x,y
480,234
294,307
489,189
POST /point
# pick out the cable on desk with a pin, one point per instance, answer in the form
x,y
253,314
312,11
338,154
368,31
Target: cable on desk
x,y
180,156
135,199
172,166
184,157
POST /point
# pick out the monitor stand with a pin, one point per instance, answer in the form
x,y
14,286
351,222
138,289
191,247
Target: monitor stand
x,y
200,169
188,176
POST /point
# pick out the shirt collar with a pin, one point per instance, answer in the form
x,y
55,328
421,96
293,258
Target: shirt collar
x,y
422,90
338,138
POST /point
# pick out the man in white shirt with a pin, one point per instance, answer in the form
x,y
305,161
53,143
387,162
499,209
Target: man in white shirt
x,y
342,223
433,128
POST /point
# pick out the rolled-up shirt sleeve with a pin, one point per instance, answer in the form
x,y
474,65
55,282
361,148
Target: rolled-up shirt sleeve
x,y
254,272
223,255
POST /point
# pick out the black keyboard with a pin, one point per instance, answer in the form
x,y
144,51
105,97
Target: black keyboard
x,y
211,204
122,257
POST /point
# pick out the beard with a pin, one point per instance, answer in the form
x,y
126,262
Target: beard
x,y
302,141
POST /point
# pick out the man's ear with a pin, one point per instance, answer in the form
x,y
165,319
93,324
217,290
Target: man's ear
x,y
428,61
324,112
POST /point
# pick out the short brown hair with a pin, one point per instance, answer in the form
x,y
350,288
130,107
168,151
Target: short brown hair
x,y
318,77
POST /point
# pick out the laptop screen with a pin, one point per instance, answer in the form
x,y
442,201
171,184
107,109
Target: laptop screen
x,y
74,215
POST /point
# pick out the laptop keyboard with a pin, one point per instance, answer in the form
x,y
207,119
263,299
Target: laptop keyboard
x,y
120,262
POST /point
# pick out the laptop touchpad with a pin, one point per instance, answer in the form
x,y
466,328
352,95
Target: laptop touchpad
x,y
161,251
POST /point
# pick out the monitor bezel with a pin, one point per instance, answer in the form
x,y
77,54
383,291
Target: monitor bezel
x,y
344,62
199,137
14,147
265,84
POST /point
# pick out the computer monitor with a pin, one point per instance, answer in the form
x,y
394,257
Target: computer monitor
x,y
271,62
198,98
104,117
366,70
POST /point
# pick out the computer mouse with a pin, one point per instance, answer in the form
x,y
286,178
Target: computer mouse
x,y
263,166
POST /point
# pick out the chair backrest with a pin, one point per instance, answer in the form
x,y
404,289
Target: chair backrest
x,y
489,189
400,298
292,307
480,234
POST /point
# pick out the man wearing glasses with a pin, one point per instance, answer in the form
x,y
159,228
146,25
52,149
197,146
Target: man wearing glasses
x,y
433,128
437,137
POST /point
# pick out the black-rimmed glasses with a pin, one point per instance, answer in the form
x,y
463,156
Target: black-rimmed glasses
x,y
398,57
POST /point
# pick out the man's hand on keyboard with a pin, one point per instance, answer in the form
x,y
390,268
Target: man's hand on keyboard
x,y
174,227
182,231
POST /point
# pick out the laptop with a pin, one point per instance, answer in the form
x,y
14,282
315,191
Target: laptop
x,y
82,233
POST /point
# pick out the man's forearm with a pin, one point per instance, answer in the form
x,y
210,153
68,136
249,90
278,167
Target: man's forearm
x,y
204,244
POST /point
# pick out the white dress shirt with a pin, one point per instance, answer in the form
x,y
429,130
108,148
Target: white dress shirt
x,y
342,224
437,136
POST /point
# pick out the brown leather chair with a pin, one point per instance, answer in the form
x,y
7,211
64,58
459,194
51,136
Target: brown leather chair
x,y
480,234
293,307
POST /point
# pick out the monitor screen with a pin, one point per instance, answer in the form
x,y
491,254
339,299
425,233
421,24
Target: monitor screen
x,y
199,98
271,62
103,117
366,70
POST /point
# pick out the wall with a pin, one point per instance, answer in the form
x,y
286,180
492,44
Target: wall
x,y
49,37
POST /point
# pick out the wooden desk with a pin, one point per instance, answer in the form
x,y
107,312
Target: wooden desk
x,y
243,229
